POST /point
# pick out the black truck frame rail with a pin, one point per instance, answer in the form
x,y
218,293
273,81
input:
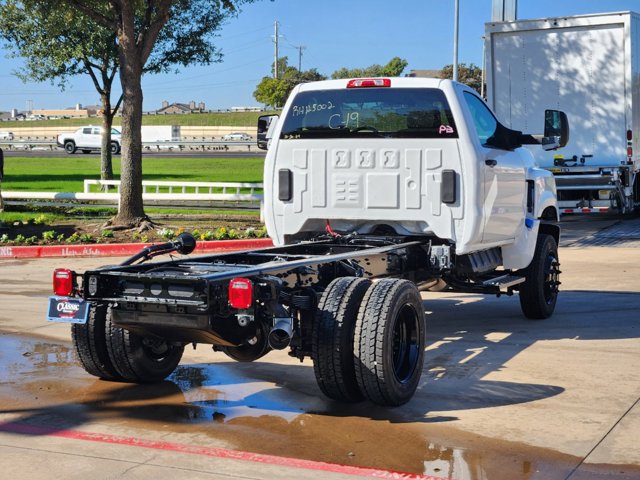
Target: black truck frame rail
x,y
187,300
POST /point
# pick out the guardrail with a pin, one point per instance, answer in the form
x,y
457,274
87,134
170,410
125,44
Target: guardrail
x,y
164,194
180,145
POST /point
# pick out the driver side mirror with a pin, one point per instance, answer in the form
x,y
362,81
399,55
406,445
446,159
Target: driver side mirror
x,y
556,130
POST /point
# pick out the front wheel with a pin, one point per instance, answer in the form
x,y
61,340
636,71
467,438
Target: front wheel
x,y
141,359
539,292
115,148
389,342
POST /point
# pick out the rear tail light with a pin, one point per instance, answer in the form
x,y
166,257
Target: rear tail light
x,y
240,293
629,147
369,82
62,282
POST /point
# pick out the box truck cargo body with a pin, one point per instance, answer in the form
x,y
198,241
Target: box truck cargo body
x,y
589,67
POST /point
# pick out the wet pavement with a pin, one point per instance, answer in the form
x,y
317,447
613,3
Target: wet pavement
x,y
501,397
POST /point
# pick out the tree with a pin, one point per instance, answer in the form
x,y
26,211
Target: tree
x,y
274,92
393,68
151,36
470,75
57,44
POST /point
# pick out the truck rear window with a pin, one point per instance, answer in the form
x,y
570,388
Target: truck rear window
x,y
370,112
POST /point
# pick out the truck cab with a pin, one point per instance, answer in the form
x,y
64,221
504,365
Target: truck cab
x,y
412,156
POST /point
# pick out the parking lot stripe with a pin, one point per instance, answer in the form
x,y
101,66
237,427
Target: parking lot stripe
x,y
223,453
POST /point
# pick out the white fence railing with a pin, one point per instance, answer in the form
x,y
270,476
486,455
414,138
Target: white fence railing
x,y
158,193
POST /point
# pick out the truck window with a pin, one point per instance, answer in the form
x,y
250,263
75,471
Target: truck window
x,y
370,112
483,119
86,131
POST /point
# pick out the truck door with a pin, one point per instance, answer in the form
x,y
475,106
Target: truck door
x,y
503,178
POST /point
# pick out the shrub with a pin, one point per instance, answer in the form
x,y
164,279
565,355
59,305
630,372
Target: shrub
x,y
86,238
107,234
19,240
31,240
221,234
233,234
4,238
49,236
208,235
60,238
167,233
73,238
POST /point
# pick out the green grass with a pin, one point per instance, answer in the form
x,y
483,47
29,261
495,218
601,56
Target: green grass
x,y
67,173
236,119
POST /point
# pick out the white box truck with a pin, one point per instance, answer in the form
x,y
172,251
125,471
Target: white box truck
x,y
589,67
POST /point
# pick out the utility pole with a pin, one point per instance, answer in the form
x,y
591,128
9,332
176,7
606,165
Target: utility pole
x,y
456,21
300,49
275,60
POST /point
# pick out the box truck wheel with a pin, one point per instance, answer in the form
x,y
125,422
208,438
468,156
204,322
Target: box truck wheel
x,y
332,338
141,359
389,342
90,344
539,292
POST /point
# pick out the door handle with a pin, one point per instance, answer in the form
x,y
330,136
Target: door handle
x,y
491,162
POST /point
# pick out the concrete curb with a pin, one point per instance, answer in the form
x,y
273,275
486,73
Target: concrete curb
x,y
123,249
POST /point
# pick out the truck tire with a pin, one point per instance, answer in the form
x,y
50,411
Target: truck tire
x,y
115,147
389,342
141,359
332,338
539,292
70,147
90,344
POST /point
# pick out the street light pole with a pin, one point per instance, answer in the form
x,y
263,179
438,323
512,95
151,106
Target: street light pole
x,y
456,21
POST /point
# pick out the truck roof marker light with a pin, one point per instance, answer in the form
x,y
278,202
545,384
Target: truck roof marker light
x,y
240,293
62,282
369,82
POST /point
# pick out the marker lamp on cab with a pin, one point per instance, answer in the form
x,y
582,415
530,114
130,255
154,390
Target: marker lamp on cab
x,y
62,282
369,82
240,293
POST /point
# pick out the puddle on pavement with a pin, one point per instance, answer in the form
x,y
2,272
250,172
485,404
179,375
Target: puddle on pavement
x,y
230,402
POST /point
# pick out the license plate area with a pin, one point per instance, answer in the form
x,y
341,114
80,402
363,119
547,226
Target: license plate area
x,y
67,310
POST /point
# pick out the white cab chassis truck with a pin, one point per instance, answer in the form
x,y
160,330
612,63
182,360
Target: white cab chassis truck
x,y
376,189
589,67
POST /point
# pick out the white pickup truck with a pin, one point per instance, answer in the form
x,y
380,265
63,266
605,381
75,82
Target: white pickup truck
x,y
88,139
375,189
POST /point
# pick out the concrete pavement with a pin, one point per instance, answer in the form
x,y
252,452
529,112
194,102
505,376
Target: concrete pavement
x,y
501,396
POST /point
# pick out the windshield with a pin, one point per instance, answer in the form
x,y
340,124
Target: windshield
x,y
370,112
115,132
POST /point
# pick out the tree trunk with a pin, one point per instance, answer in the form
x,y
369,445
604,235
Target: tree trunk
x,y
106,167
131,209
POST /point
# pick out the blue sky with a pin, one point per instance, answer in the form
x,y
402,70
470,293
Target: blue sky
x,y
335,33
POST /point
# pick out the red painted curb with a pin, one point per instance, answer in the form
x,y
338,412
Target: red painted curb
x,y
124,249
26,429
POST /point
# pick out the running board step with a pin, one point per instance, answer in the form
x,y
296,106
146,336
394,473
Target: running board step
x,y
505,281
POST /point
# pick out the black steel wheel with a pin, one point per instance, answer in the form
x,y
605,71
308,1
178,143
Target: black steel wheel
x,y
141,359
332,338
389,342
115,147
539,292
90,344
69,147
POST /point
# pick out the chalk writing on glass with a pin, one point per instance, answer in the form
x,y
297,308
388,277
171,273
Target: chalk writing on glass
x,y
298,110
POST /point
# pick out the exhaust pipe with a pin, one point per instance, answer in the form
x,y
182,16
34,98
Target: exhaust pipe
x,y
280,334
